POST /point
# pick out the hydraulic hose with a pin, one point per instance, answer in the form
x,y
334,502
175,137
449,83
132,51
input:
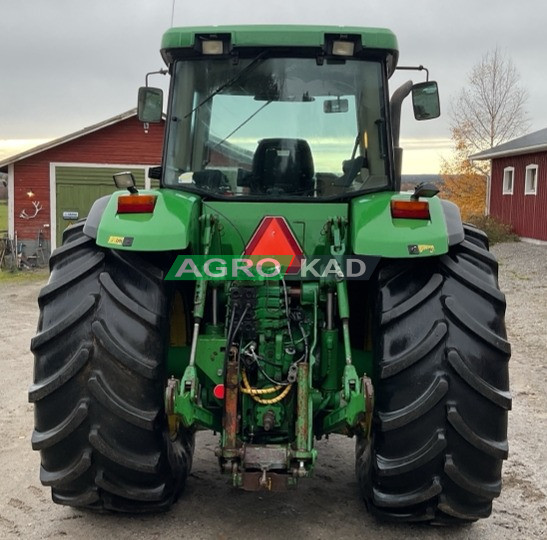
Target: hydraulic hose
x,y
255,392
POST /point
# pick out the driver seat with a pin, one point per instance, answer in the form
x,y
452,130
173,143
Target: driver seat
x,y
283,166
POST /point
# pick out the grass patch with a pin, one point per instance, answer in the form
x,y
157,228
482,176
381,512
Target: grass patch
x,y
20,276
495,229
3,215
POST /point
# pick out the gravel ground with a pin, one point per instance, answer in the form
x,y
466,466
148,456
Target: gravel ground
x,y
322,507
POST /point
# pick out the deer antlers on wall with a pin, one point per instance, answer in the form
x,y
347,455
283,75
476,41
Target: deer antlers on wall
x,y
37,207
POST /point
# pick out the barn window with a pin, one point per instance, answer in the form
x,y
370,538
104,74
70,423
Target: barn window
x,y
508,176
530,182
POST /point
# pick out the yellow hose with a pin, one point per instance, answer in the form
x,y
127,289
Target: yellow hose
x,y
253,392
248,390
275,399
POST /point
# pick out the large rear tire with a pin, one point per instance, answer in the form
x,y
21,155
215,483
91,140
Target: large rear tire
x,y
441,386
99,378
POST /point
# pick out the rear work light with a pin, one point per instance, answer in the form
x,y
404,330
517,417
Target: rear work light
x,y
212,46
136,204
410,209
343,48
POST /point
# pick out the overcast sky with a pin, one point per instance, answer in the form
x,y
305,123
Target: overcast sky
x,y
67,64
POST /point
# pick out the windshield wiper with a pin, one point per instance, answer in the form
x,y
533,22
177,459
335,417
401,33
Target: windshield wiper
x,y
256,60
237,128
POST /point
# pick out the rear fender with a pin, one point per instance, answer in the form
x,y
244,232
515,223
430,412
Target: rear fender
x,y
173,225
373,231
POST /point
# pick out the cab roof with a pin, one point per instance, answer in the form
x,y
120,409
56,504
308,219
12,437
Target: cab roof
x,y
252,36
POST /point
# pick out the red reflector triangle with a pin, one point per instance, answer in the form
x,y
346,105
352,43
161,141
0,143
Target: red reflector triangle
x,y
274,237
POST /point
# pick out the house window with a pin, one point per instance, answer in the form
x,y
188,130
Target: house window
x,y
531,180
508,177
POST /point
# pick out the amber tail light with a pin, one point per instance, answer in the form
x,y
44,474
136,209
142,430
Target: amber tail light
x,y
136,204
410,209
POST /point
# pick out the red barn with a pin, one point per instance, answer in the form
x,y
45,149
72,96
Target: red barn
x,y
52,185
518,188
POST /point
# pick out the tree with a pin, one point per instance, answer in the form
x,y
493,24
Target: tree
x,y
491,110
463,182
488,112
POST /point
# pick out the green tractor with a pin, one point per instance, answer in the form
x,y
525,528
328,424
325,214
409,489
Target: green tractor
x,y
277,288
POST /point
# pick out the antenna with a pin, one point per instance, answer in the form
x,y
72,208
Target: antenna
x,y
173,12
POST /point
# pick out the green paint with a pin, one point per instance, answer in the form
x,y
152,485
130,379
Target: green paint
x,y
329,366
210,359
239,220
193,415
172,226
277,409
190,411
346,418
374,232
279,36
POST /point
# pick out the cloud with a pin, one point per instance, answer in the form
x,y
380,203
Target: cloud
x,y
12,147
440,143
71,63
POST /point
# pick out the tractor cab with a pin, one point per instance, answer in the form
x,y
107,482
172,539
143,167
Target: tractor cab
x,y
304,119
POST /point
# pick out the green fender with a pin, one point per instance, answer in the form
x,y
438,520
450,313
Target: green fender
x,y
374,232
174,224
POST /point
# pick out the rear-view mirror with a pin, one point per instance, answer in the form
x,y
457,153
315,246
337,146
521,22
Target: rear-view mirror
x,y
425,101
150,104
335,106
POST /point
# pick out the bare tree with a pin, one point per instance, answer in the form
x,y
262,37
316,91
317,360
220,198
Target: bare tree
x,y
491,110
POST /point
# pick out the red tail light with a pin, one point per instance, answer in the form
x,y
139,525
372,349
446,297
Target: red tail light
x,y
409,209
136,204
